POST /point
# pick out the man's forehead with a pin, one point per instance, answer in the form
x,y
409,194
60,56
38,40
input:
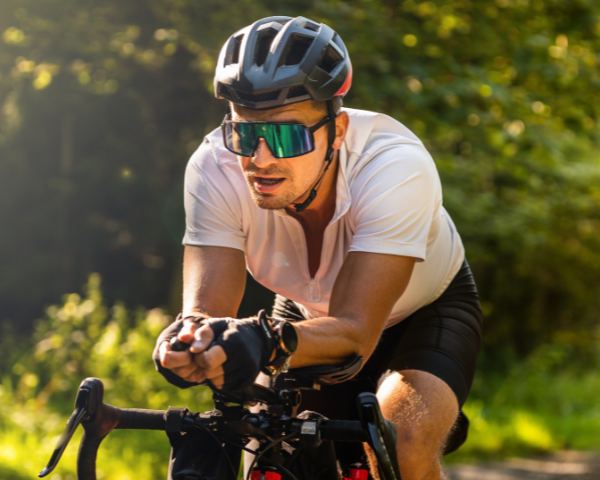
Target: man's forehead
x,y
300,111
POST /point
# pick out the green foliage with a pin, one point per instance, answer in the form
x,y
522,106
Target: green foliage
x,y
99,115
79,339
104,101
546,402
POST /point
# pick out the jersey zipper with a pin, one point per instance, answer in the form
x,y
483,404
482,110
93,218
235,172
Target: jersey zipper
x,y
312,290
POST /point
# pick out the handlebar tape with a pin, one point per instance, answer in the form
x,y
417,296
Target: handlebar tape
x,y
343,431
131,418
138,419
86,459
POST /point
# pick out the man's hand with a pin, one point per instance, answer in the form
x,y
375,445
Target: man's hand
x,y
227,352
199,362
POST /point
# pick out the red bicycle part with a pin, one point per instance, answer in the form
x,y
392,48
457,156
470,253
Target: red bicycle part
x,y
258,475
358,474
272,476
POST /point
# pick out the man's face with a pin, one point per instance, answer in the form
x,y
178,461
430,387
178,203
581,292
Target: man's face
x,y
276,183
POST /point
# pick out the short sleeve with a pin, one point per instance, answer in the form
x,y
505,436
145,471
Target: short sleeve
x,y
212,207
395,198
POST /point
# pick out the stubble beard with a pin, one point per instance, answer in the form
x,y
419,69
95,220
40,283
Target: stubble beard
x,y
268,202
274,202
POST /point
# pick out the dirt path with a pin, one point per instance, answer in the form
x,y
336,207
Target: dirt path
x,y
563,466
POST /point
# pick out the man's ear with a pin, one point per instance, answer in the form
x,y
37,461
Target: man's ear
x,y
341,129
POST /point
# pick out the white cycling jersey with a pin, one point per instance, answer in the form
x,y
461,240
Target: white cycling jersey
x,y
389,200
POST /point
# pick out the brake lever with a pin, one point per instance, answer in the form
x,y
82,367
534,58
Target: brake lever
x,y
89,396
381,435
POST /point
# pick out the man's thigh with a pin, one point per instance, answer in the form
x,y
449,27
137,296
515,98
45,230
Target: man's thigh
x,y
430,371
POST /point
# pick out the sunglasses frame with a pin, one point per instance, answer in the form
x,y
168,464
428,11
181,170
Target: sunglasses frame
x,y
311,130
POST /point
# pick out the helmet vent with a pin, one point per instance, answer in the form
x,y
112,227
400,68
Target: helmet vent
x,y
296,48
233,50
314,27
223,91
297,91
263,44
259,97
338,41
330,60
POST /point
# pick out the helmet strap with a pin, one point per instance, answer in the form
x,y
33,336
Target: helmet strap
x,y
300,207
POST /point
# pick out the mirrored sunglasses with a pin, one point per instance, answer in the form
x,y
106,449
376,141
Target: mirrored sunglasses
x,y
286,140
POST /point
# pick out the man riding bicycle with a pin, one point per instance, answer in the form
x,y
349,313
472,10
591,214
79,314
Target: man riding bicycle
x,y
339,212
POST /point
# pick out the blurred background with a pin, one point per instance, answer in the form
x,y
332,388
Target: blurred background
x,y
103,102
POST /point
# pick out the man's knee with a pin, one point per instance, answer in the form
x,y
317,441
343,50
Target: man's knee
x,y
423,408
418,400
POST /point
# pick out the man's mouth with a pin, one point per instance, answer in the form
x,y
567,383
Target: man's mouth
x,y
267,184
268,181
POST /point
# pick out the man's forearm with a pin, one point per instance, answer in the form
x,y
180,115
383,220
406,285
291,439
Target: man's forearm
x,y
365,291
330,341
214,279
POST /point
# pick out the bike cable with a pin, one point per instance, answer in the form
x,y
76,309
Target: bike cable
x,y
219,442
237,445
267,448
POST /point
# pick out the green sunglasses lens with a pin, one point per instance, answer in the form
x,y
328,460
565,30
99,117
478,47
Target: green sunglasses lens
x,y
284,140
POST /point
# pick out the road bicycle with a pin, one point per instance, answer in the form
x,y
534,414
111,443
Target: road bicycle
x,y
209,445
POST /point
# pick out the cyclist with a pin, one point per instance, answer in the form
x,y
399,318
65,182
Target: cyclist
x,y
338,211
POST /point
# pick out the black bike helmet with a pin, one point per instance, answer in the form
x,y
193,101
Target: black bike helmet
x,y
281,60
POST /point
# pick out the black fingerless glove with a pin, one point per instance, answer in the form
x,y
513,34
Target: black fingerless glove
x,y
166,335
248,349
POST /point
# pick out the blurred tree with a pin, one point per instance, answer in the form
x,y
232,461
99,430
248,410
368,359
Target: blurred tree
x,y
102,107
102,103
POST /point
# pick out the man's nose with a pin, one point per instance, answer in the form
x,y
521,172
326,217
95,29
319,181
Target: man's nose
x,y
263,157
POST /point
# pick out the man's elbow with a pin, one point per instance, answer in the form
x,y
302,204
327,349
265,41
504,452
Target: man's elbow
x,y
363,338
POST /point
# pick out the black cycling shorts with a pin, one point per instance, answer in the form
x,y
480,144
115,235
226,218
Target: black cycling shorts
x,y
442,338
